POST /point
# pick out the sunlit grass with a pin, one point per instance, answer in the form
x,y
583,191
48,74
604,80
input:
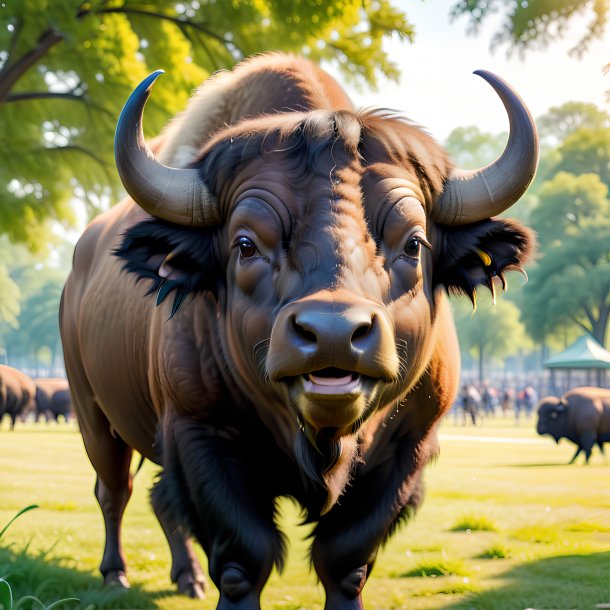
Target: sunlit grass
x,y
496,551
474,523
440,567
551,540
12,570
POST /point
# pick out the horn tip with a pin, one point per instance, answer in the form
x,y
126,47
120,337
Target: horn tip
x,y
487,75
151,78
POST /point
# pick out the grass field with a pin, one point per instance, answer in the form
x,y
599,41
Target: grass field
x,y
506,525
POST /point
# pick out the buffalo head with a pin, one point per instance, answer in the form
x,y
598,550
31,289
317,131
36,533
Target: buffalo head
x,y
324,240
552,417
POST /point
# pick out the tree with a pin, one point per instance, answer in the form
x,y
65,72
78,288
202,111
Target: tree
x,y
38,329
67,66
587,150
491,332
469,147
568,203
9,305
532,24
570,285
562,121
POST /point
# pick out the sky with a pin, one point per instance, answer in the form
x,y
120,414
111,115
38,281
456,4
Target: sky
x,y
438,91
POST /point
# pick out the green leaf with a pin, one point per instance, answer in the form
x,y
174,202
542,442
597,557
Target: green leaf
x,y
6,595
23,510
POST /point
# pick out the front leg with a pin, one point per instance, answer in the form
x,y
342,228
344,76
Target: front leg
x,y
348,537
228,505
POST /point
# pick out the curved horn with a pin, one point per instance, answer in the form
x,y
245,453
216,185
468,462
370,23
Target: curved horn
x,y
472,195
176,195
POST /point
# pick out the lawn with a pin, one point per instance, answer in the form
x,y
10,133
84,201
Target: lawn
x,y
506,525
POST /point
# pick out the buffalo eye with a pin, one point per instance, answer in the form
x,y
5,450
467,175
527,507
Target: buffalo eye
x,y
413,246
247,249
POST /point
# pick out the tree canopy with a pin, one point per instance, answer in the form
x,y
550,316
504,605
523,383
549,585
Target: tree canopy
x,y
570,285
67,67
490,333
537,23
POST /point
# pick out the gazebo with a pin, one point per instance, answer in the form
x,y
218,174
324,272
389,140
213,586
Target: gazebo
x,y
585,354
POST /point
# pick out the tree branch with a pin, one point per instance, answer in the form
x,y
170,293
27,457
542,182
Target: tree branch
x,y
81,149
579,323
155,15
14,40
68,95
40,95
12,72
588,313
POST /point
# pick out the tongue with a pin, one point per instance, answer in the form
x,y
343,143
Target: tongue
x,y
330,380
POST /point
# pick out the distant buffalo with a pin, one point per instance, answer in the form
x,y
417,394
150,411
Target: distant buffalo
x,y
53,398
17,393
581,415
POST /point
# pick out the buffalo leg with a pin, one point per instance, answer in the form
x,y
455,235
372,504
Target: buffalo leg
x,y
347,539
113,492
231,513
587,440
578,450
111,458
186,571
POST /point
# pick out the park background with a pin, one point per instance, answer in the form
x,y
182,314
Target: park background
x,y
66,68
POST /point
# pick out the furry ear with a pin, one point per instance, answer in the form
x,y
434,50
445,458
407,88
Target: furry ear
x,y
477,253
175,258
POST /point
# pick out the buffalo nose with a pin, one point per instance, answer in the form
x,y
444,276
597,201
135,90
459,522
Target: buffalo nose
x,y
320,332
318,329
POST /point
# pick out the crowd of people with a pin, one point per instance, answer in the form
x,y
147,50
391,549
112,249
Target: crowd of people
x,y
476,401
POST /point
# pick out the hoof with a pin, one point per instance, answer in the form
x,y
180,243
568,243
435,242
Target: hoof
x,y
189,586
116,578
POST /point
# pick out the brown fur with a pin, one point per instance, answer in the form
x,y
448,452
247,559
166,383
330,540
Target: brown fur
x,y
17,393
328,262
582,415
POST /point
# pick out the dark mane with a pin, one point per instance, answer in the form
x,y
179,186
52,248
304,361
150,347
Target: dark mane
x,y
302,135
389,136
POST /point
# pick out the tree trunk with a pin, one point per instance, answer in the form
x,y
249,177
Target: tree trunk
x,y
481,354
600,326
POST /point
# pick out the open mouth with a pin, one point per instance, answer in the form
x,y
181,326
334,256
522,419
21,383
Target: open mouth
x,y
332,381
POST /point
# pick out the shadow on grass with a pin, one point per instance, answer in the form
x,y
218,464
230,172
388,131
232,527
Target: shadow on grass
x,y
540,465
568,582
53,579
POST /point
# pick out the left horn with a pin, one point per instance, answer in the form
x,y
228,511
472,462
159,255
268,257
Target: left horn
x,y
472,195
173,194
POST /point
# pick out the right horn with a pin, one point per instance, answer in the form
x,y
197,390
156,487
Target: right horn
x,y
472,195
177,195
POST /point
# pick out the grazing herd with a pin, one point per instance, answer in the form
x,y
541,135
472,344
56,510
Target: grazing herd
x,y
21,396
299,342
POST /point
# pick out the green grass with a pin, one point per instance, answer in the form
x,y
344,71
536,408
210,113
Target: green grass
x,y
440,567
550,536
474,523
496,551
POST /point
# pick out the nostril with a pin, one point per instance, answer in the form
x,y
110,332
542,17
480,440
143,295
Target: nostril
x,y
362,330
302,331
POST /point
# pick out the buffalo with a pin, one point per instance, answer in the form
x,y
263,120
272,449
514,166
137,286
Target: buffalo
x,y
581,415
299,253
17,393
53,398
